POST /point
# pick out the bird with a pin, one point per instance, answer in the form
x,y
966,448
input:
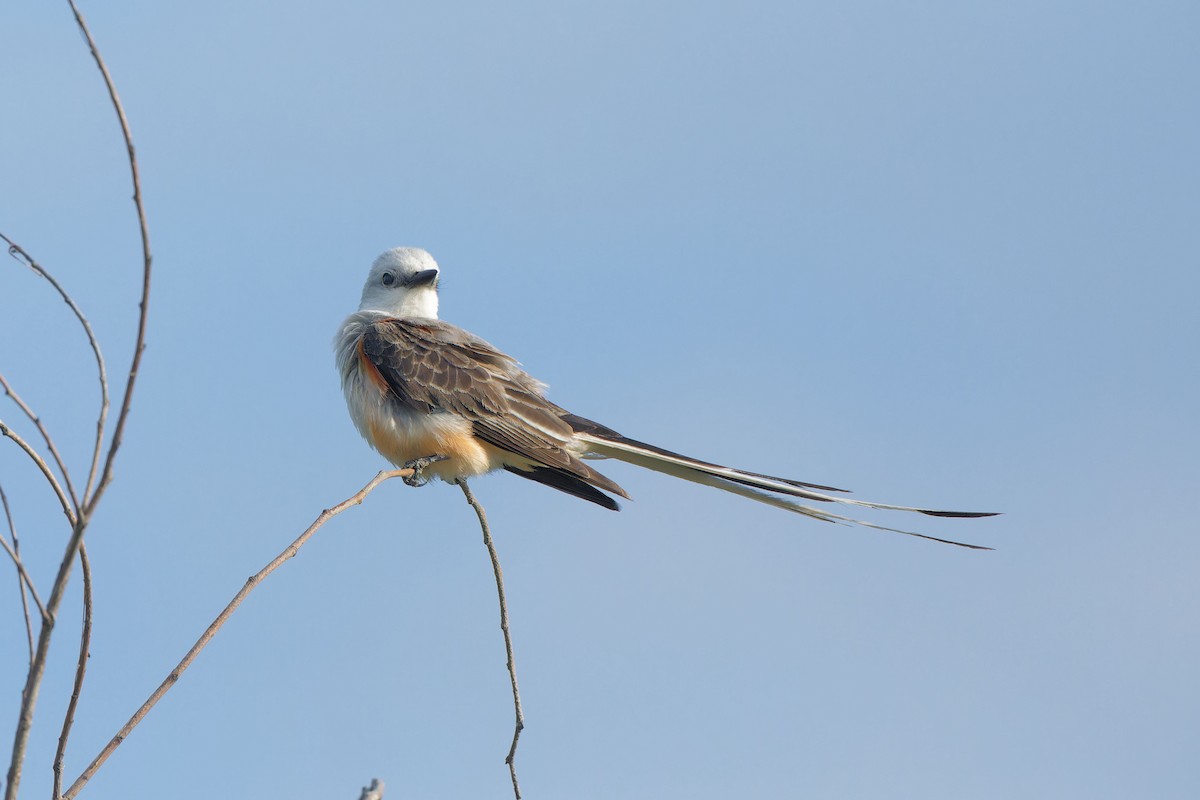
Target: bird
x,y
432,397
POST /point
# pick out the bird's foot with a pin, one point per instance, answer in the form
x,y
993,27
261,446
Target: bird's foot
x,y
417,465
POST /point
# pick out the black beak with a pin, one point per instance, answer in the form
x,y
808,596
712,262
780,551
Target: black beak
x,y
425,277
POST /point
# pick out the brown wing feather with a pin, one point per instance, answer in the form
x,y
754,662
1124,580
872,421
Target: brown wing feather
x,y
433,366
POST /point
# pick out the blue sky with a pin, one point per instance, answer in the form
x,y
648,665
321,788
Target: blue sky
x,y
938,253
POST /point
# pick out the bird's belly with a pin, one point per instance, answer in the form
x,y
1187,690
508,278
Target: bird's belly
x,y
401,441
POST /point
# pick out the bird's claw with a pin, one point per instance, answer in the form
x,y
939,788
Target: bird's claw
x,y
417,465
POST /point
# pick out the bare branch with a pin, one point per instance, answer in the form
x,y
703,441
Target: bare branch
x,y
19,253
23,579
33,680
37,423
37,669
508,648
94,487
85,644
90,498
41,464
221,619
16,251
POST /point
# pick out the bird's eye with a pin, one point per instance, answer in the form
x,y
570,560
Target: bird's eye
x,y
388,279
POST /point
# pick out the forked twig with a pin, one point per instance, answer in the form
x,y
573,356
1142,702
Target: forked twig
x,y
26,582
22,575
508,648
23,579
221,619
33,680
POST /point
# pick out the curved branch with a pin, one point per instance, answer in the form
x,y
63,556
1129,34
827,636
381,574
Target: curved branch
x,y
508,648
222,618
90,498
37,423
44,467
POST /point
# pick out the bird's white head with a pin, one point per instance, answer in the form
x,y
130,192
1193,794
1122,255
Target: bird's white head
x,y
403,283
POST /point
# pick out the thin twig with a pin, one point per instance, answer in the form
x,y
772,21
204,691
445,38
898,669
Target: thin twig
x,y
90,498
85,644
508,648
37,423
221,619
23,579
68,509
19,253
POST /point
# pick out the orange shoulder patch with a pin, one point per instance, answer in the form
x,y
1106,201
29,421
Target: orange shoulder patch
x,y
371,371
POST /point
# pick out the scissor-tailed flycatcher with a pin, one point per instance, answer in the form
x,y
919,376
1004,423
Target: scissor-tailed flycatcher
x,y
418,387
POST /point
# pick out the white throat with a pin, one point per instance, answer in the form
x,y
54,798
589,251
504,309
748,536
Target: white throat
x,y
421,302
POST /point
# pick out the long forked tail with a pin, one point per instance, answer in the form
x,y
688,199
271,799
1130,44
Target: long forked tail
x,y
781,492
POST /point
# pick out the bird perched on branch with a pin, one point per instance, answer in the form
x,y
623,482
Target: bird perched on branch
x,y
431,396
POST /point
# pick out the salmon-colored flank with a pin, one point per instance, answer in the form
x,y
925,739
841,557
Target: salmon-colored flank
x,y
369,369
